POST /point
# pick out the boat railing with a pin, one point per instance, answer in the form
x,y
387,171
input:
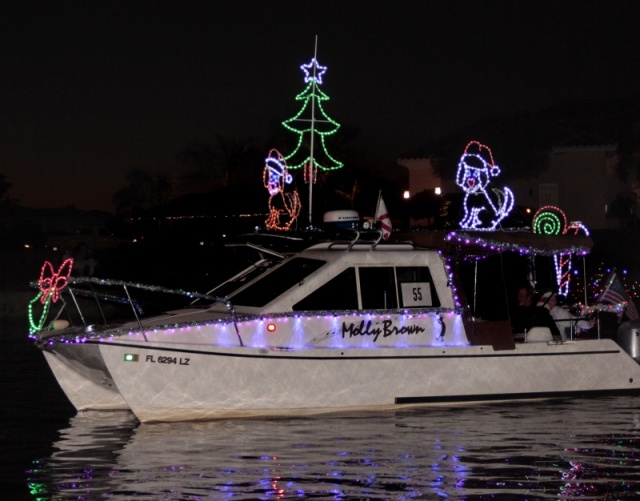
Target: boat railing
x,y
570,325
101,291
370,237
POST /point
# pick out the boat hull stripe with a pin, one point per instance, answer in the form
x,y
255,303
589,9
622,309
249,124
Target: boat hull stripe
x,y
514,396
279,355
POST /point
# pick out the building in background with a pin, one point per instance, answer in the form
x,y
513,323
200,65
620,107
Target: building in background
x,y
567,156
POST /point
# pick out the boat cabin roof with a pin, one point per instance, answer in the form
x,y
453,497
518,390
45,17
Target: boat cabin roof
x,y
347,276
337,273
473,241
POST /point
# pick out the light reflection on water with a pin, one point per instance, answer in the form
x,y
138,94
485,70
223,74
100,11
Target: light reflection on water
x,y
570,449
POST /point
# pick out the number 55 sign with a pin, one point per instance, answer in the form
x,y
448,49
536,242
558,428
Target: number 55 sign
x,y
416,294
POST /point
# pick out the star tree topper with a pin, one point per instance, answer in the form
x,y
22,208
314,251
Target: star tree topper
x,y
313,71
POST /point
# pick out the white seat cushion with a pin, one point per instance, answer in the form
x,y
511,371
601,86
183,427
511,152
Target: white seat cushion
x,y
538,335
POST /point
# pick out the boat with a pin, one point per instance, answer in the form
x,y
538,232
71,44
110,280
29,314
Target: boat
x,y
340,322
78,367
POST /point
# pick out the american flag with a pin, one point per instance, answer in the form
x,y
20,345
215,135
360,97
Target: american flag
x,y
615,293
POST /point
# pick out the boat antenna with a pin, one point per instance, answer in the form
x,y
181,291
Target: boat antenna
x,y
313,123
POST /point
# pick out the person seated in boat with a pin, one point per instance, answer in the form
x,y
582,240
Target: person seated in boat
x,y
528,315
83,262
563,317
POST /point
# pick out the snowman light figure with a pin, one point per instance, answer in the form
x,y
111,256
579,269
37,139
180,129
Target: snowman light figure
x,y
484,207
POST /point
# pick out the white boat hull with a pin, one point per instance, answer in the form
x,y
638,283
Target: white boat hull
x,y
187,382
82,391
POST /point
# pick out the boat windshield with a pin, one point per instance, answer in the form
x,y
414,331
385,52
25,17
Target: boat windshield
x,y
273,284
242,278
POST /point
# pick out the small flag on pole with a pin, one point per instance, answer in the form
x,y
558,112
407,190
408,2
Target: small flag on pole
x,y
382,216
615,294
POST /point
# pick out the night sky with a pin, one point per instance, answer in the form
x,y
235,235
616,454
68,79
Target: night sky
x,y
92,89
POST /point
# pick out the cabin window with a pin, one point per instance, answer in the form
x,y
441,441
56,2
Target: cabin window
x,y
378,288
381,287
339,293
273,284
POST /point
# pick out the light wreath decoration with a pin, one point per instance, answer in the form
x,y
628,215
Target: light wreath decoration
x,y
51,283
484,207
284,207
551,220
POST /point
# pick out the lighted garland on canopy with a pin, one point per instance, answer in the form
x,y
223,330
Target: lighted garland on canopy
x,y
284,207
436,313
51,284
507,242
551,220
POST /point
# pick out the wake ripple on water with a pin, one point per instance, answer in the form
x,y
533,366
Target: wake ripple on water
x,y
573,449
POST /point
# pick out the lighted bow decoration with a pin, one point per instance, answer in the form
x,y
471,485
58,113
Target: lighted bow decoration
x,y
51,284
550,220
284,207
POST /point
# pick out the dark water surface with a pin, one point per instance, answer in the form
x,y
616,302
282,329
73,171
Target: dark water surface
x,y
563,449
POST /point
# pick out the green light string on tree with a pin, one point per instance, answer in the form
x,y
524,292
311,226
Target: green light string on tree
x,y
312,123
312,97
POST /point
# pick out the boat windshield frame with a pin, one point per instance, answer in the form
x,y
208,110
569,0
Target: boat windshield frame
x,y
276,282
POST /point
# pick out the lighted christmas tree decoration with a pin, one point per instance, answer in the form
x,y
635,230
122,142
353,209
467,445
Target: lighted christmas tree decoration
x,y
284,207
309,127
484,206
312,125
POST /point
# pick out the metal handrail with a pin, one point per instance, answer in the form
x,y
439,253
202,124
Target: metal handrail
x,y
100,297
